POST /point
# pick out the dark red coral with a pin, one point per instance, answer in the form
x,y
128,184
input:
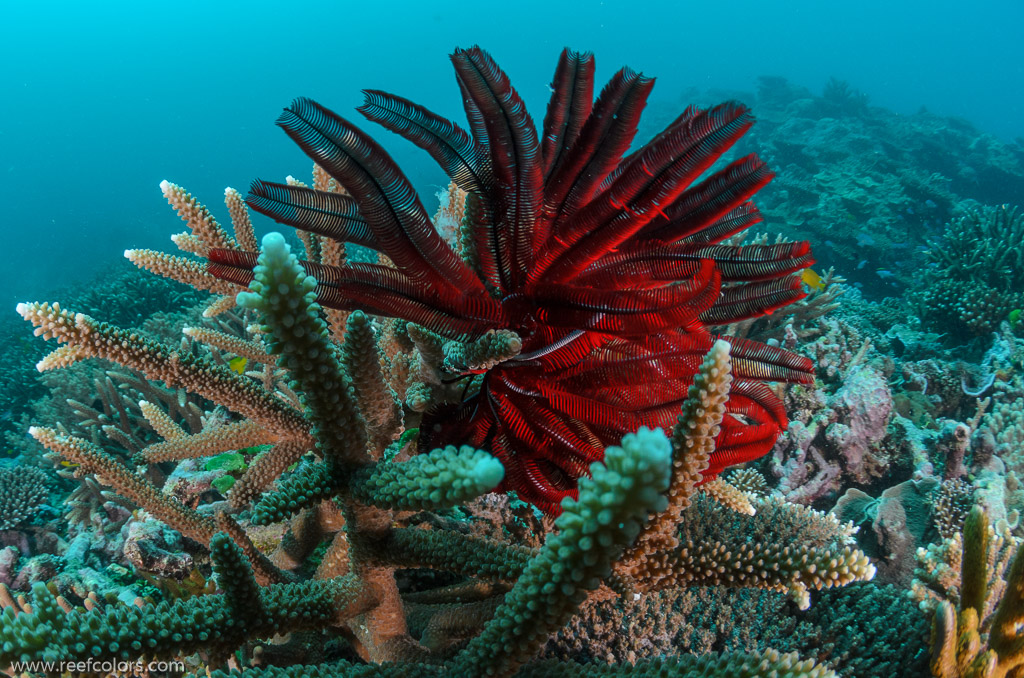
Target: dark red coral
x,y
610,267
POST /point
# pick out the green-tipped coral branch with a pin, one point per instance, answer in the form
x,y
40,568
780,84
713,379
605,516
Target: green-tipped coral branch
x,y
592,532
961,647
293,329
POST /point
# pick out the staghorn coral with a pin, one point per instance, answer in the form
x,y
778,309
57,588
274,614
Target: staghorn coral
x,y
967,307
982,634
842,622
837,628
986,244
720,547
749,480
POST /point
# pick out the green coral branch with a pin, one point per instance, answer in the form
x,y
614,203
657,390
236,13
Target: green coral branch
x,y
167,630
439,479
450,552
294,330
592,532
309,485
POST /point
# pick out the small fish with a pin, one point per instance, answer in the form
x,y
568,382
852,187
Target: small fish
x,y
862,264
68,464
812,280
238,363
884,274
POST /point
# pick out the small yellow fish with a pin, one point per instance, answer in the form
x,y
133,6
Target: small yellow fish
x,y
812,280
238,363
68,464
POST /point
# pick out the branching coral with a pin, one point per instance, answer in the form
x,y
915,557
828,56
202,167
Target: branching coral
x,y
22,490
968,641
979,262
986,244
950,505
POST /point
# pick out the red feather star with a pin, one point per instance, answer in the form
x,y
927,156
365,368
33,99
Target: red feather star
x,y
609,266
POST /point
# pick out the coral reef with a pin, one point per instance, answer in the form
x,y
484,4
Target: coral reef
x,y
383,551
880,184
354,586
330,477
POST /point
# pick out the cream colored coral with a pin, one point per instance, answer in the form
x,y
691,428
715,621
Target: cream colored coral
x,y
332,253
111,472
219,305
187,271
186,242
266,469
750,481
793,569
249,349
175,369
693,440
240,220
203,225
161,422
213,439
729,496
61,357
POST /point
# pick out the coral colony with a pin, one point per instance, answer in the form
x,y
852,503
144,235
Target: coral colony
x,y
491,442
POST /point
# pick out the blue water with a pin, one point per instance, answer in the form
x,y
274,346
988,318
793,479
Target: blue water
x,y
102,103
